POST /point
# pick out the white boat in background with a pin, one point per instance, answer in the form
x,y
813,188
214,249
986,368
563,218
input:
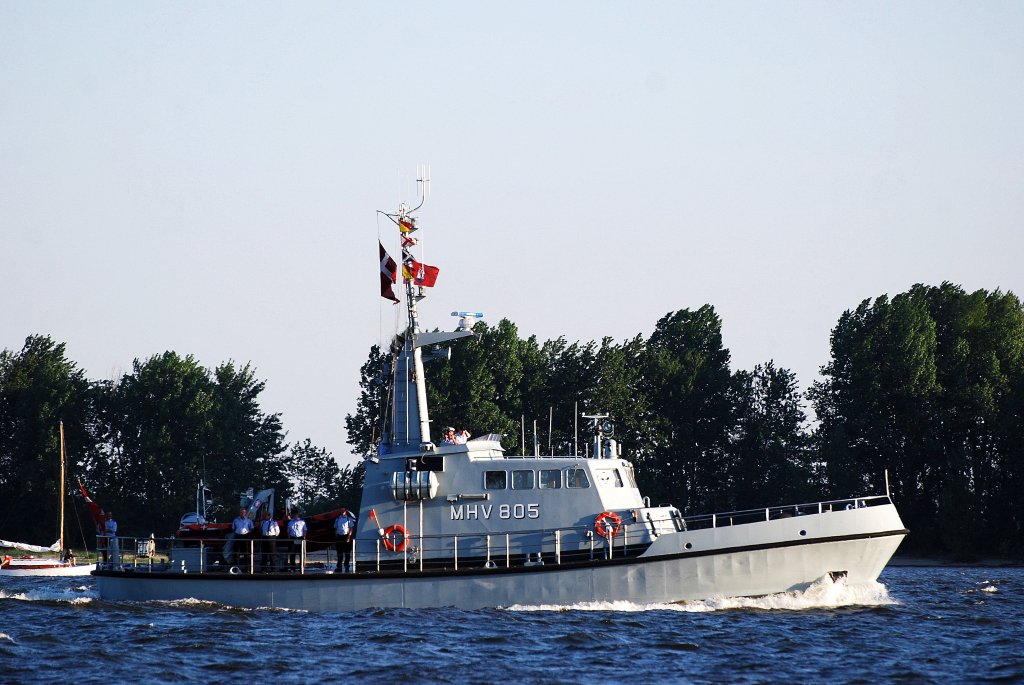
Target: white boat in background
x,y
61,565
44,566
471,526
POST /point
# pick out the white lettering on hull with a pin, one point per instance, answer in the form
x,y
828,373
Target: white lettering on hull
x,y
477,512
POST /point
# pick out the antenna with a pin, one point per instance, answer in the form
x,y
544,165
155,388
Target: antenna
x,y
423,180
422,184
467,319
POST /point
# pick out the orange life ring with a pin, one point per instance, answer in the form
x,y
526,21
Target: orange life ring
x,y
395,538
607,524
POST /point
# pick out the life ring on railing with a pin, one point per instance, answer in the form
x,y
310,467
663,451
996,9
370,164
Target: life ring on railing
x,y
395,538
607,524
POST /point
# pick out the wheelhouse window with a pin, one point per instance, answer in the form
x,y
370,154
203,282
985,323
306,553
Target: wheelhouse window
x,y
576,478
550,479
608,478
495,480
522,479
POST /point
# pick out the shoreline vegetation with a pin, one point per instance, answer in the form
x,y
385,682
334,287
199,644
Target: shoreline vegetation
x,y
922,398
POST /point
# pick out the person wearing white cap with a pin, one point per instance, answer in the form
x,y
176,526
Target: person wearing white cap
x,y
449,436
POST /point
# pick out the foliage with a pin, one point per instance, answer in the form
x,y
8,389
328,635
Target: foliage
x,y
39,387
771,457
372,404
171,422
320,484
927,384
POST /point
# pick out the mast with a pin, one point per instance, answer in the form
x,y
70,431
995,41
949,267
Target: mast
x,y
413,294
61,505
409,431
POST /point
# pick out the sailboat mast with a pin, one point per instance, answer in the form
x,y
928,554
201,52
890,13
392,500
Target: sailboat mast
x,y
61,488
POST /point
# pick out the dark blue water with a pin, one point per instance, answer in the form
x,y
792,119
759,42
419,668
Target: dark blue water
x,y
937,625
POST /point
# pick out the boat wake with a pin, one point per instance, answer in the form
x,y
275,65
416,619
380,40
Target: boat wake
x,y
823,594
80,595
195,603
189,602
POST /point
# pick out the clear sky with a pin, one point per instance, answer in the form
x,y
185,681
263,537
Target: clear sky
x,y
203,176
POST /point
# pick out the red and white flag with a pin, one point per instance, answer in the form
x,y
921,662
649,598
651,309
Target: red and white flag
x,y
419,273
388,274
95,511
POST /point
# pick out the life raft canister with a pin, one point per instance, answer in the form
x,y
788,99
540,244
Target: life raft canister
x,y
607,524
395,538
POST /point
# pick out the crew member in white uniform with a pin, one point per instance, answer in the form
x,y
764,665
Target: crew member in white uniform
x,y
296,532
241,529
271,531
344,531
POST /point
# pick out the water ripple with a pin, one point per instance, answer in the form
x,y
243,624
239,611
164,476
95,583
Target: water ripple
x,y
919,625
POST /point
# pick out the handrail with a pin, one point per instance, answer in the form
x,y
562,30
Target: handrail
x,y
557,546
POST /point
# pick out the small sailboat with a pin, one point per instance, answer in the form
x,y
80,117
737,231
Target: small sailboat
x,y
29,565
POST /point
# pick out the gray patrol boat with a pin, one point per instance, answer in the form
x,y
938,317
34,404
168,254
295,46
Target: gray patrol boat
x,y
470,526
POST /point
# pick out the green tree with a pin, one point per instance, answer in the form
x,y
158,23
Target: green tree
x,y
464,391
39,388
615,391
320,483
688,416
770,456
367,424
876,402
928,385
980,341
170,422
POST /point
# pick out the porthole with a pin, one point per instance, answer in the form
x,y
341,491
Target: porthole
x,y
803,532
689,545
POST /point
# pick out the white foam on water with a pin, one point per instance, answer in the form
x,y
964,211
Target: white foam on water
x,y
188,602
192,602
8,638
823,594
989,588
68,596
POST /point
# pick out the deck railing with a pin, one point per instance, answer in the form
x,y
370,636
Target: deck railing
x,y
423,553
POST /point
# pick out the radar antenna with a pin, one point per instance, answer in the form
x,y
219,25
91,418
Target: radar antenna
x,y
467,319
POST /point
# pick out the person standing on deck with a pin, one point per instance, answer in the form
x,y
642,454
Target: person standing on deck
x,y
241,529
344,531
110,535
271,531
296,533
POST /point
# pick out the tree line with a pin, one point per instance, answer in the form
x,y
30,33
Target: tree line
x,y
142,442
928,384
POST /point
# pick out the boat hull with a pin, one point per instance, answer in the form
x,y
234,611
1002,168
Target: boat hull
x,y
732,561
42,569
